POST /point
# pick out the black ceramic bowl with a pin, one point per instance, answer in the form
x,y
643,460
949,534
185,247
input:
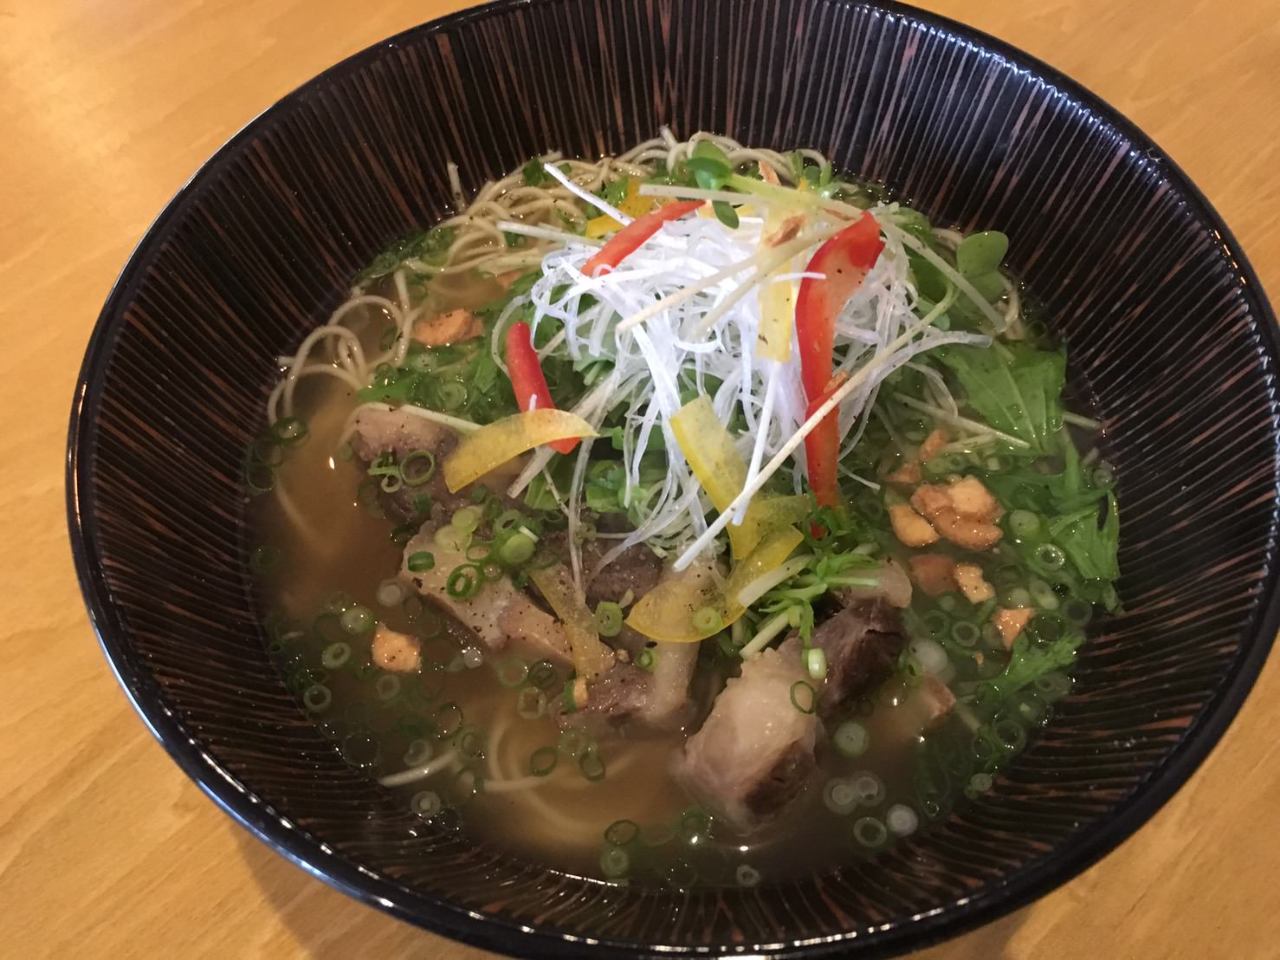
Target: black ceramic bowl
x,y
1170,339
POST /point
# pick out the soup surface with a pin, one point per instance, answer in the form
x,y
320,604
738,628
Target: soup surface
x,y
693,516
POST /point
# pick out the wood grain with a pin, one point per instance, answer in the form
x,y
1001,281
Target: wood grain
x,y
105,848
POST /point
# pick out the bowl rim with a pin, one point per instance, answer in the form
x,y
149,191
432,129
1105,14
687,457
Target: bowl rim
x,y
449,919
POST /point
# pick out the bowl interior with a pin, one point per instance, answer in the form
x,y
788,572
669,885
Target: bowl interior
x,y
1169,338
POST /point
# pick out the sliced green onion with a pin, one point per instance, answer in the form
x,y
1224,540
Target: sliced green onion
x,y
937,622
420,561
901,820
531,703
289,431
608,618
467,519
335,655
646,658
707,620
870,832
803,697
1103,477
746,875
573,742
511,671
948,603
466,784
453,395
469,742
1024,523
357,620
591,765
259,477
1077,611
464,582
479,552
851,739
1018,597
426,804
815,661
387,687
1043,596
418,467
543,675
980,782
1030,708
266,450
448,719
360,748
839,796
390,593
614,863
452,539
658,834
621,832
507,521
516,549
965,633
543,760
868,787
568,702
1050,555
1053,686
1011,734
317,698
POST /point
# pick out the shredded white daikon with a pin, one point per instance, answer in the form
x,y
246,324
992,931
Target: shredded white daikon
x,y
678,317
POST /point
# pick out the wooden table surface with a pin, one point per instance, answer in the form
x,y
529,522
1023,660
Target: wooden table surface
x,y
106,850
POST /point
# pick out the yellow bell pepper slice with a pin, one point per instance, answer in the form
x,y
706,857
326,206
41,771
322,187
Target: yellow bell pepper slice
x,y
666,613
777,297
590,656
633,205
494,444
719,467
772,553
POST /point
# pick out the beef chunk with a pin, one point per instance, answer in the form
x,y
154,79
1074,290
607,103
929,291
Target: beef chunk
x,y
377,432
637,569
499,615
627,696
755,752
862,643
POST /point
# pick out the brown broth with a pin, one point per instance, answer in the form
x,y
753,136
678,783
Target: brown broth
x,y
330,545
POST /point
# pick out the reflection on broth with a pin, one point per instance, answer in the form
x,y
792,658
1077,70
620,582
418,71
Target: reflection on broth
x,y
495,500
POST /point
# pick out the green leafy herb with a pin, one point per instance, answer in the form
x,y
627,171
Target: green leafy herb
x,y
430,246
1029,661
615,191
1091,547
726,214
981,253
533,173
1015,388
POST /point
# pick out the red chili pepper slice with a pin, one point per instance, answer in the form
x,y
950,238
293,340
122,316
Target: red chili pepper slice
x,y
527,379
844,261
822,447
623,243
